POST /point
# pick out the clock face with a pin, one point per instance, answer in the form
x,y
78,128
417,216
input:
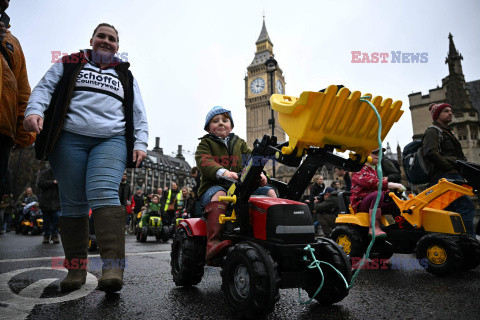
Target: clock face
x,y
279,87
257,85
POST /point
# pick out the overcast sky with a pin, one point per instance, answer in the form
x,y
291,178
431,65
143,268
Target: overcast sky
x,y
188,56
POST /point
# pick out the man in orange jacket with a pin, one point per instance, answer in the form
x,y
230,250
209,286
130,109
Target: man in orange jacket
x,y
14,94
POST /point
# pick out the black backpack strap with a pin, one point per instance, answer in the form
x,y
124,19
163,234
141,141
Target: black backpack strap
x,y
5,55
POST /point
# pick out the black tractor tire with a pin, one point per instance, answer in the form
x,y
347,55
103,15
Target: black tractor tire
x,y
471,252
440,253
166,234
143,234
25,230
352,239
250,280
334,287
187,258
137,233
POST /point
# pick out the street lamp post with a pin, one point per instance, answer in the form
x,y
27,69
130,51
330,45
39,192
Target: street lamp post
x,y
271,65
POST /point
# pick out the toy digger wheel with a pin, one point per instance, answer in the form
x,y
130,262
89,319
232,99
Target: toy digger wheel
x,y
351,239
442,254
471,252
250,280
334,288
187,258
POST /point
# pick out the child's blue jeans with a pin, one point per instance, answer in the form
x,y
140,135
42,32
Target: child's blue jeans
x,y
88,171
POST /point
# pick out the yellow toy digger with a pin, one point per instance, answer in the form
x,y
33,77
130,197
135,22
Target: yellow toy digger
x,y
437,236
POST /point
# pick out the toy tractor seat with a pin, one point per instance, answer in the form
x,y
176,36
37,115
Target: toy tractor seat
x,y
470,171
336,118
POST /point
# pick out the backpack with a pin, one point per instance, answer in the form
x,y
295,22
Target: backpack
x,y
416,167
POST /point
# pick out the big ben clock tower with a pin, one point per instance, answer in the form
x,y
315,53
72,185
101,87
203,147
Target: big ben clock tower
x,y
257,92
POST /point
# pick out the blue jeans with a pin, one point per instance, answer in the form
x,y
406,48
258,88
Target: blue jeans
x,y
463,205
50,220
88,171
207,196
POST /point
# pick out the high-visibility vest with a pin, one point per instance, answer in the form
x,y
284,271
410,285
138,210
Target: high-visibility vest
x,y
179,197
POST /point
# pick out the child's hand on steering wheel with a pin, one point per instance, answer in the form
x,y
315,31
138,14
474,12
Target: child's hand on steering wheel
x,y
263,180
231,175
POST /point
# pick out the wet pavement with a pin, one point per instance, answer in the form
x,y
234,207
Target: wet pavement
x,y
29,289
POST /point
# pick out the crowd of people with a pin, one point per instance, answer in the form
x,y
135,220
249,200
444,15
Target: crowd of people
x,y
91,131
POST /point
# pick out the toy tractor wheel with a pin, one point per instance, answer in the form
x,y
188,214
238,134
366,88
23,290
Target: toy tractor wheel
x,y
187,258
138,234
143,234
166,234
334,287
442,254
250,280
351,239
471,252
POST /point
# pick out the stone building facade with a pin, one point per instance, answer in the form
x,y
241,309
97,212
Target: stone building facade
x,y
160,170
463,96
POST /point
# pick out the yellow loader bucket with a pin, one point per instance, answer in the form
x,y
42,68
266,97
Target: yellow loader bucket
x,y
334,117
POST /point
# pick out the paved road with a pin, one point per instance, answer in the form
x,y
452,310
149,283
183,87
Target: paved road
x,y
149,292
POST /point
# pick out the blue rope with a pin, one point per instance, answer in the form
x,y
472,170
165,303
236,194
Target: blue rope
x,y
316,263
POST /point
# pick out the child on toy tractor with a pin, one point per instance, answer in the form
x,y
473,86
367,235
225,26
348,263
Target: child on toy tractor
x,y
220,154
365,190
154,209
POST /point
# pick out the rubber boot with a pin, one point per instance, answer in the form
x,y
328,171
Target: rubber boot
x,y
46,240
214,247
55,239
378,232
75,244
110,232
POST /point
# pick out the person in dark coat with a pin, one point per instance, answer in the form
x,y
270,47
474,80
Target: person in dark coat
x,y
124,191
345,175
327,210
49,199
441,149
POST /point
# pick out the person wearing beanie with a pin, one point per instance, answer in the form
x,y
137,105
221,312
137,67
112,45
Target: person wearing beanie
x,y
220,154
441,149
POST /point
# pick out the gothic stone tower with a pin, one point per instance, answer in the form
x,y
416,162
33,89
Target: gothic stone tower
x,y
257,92
454,91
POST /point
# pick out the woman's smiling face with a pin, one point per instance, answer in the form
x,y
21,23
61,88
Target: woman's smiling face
x,y
105,41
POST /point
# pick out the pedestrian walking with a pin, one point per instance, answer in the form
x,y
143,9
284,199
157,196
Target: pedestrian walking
x,y
15,91
49,200
91,123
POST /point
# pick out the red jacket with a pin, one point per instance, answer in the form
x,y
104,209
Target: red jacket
x,y
364,183
131,206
